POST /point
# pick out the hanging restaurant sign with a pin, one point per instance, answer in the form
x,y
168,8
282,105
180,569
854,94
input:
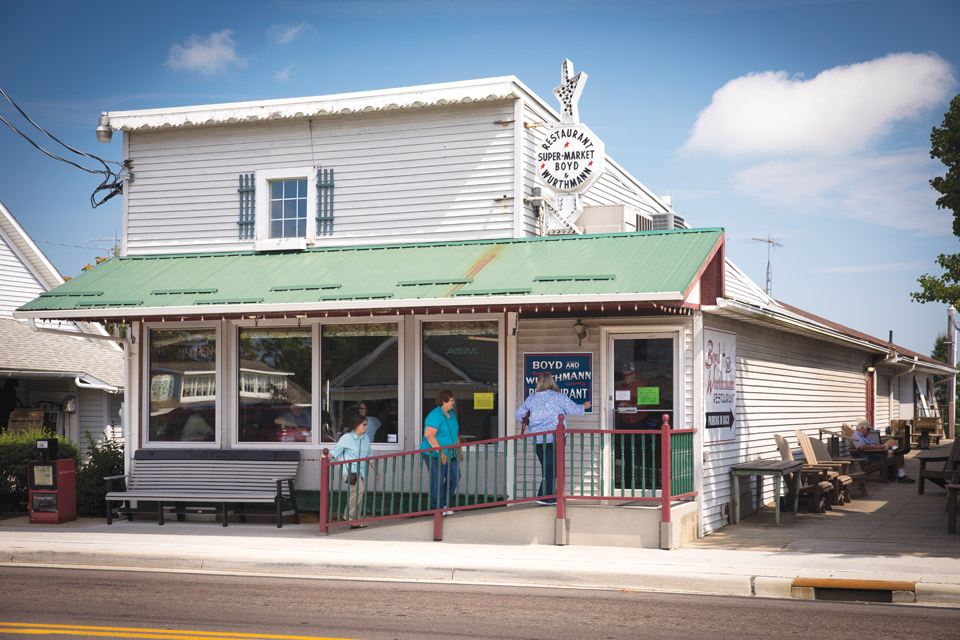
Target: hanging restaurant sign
x,y
571,157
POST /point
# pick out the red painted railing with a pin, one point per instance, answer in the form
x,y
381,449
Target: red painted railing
x,y
494,457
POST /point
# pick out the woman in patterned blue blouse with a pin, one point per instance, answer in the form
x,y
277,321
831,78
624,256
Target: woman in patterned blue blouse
x,y
544,407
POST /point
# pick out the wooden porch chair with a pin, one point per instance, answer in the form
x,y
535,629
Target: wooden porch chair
x,y
841,480
815,488
882,467
950,474
852,469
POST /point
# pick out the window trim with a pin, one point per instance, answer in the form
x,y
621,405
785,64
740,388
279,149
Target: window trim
x,y
501,321
379,447
316,324
263,241
234,382
148,328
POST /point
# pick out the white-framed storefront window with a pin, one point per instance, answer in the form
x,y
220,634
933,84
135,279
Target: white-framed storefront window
x,y
360,370
465,356
183,390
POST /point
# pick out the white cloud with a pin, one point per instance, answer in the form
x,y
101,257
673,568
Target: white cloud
x,y
842,110
284,74
890,189
286,33
207,55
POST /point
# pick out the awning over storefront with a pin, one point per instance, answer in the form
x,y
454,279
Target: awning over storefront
x,y
683,267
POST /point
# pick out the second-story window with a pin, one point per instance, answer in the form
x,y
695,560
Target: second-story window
x,y
288,208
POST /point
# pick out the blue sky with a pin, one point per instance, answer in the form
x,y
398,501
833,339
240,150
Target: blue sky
x,y
807,119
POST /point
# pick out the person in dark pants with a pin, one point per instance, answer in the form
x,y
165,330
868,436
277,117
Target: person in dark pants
x,y
544,407
441,429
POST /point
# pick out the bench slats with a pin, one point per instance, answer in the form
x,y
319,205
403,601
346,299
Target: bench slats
x,y
220,476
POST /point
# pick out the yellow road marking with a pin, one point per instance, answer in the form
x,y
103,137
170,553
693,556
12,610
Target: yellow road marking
x,y
128,632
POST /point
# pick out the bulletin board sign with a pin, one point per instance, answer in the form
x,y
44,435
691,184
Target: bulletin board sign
x,y
572,371
720,380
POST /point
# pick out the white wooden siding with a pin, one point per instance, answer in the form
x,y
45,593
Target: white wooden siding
x,y
18,284
401,176
784,382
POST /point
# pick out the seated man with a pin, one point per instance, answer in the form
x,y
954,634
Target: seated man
x,y
876,452
296,418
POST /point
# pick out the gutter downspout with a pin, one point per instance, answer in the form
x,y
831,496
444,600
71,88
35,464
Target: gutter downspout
x,y
89,385
32,323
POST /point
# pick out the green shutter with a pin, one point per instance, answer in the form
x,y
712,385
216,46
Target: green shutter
x,y
246,191
324,202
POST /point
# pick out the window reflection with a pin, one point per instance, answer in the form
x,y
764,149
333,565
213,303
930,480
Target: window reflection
x,y
183,385
359,368
464,357
275,382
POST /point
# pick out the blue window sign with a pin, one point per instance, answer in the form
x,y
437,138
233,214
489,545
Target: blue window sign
x,y
572,371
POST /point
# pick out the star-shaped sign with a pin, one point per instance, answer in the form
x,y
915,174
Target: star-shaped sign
x,y
569,92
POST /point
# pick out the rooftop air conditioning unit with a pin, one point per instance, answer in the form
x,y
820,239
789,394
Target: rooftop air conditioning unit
x,y
668,221
614,218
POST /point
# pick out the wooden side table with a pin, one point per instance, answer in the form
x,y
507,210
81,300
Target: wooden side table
x,y
761,468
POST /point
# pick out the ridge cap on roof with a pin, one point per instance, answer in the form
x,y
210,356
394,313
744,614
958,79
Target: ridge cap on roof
x,y
414,245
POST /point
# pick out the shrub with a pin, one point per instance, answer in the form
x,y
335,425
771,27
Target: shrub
x,y
105,459
16,450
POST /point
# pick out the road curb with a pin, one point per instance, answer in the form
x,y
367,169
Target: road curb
x,y
925,590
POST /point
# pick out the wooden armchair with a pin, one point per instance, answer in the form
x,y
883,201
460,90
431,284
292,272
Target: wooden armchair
x,y
853,466
841,480
880,466
815,487
950,474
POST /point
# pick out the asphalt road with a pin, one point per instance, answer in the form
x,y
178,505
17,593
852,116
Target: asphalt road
x,y
95,603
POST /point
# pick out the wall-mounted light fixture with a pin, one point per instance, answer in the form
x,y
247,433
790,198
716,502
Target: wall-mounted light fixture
x,y
581,330
869,369
104,132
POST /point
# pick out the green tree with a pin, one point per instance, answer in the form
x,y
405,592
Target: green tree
x,y
945,146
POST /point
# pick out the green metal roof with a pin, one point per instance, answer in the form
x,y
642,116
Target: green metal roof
x,y
645,266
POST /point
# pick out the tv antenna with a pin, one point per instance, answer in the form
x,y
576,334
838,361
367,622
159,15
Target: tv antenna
x,y
772,241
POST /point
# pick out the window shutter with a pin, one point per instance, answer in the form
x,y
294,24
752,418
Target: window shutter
x,y
324,202
246,191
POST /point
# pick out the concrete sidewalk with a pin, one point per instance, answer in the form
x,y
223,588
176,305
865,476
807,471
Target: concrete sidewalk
x,y
892,542
298,550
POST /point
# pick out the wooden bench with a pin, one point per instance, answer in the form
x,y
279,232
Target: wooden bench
x,y
186,479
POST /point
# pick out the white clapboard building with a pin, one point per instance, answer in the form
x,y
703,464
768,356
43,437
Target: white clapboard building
x,y
63,369
376,247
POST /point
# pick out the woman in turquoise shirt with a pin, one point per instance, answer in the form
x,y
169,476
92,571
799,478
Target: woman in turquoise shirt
x,y
441,429
354,445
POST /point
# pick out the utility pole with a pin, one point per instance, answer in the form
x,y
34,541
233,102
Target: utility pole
x,y
771,242
952,361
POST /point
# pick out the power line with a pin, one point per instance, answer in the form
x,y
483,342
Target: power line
x,y
112,180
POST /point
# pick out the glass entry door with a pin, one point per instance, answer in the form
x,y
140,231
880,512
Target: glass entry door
x,y
642,373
